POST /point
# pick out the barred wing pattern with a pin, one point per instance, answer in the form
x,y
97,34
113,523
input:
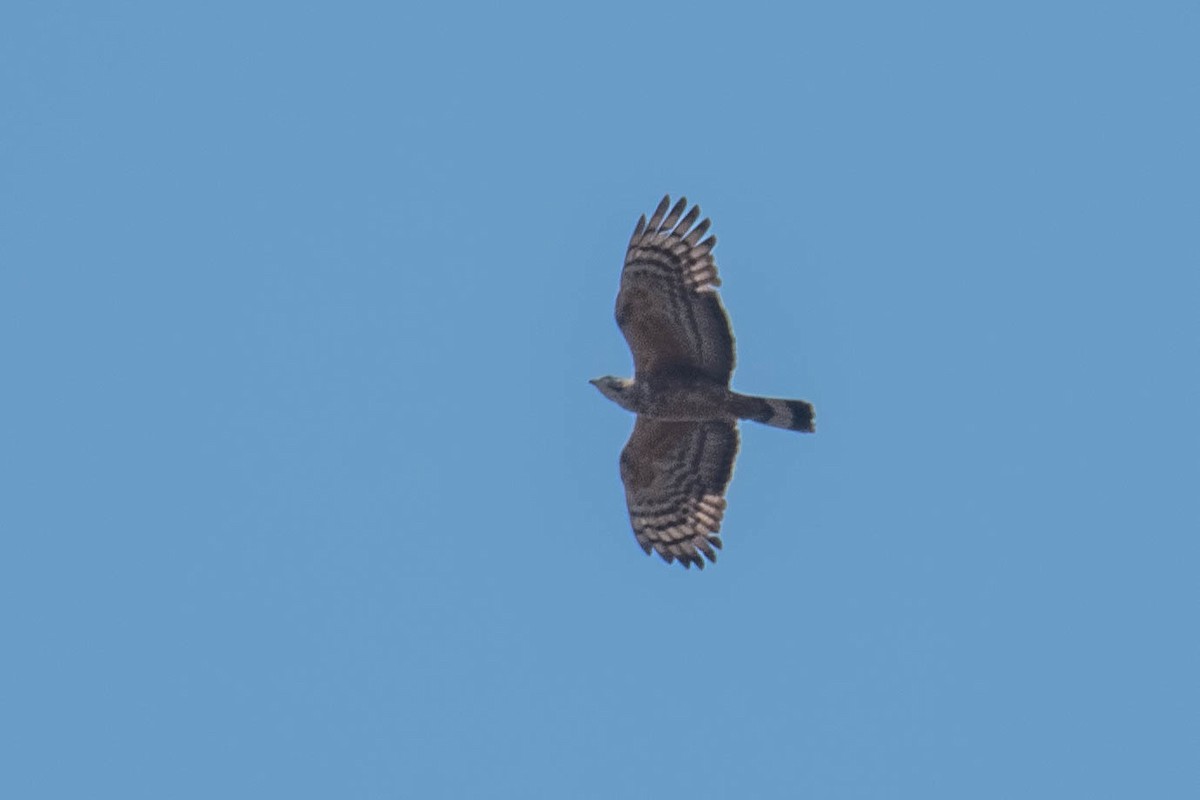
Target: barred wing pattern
x,y
666,307
675,475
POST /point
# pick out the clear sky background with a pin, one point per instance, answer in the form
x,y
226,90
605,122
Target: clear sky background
x,y
305,493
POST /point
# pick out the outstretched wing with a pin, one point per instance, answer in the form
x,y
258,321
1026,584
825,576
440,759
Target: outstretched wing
x,y
667,309
675,474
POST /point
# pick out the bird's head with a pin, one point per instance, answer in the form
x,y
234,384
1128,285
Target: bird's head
x,y
619,390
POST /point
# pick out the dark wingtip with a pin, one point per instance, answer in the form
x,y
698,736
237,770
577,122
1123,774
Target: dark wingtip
x,y
657,217
641,226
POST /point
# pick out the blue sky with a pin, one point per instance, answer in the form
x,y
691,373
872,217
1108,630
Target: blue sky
x,y
306,493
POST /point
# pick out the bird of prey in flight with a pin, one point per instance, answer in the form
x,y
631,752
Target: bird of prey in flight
x,y
679,458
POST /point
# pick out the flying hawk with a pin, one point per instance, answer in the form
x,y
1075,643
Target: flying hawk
x,y
679,458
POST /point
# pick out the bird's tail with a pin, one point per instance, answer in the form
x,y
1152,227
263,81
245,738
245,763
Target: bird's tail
x,y
792,415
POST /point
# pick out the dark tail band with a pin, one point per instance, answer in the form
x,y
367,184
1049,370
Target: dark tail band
x,y
792,415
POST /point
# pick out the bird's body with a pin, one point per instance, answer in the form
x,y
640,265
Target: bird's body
x,y
679,459
677,398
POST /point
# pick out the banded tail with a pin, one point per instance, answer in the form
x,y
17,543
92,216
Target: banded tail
x,y
792,415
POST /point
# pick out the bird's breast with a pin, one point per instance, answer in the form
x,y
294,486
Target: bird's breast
x,y
695,402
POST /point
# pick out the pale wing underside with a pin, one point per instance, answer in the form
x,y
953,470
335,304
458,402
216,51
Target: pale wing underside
x,y
667,309
675,474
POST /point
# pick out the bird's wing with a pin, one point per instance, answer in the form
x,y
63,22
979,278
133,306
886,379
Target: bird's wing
x,y
667,307
675,474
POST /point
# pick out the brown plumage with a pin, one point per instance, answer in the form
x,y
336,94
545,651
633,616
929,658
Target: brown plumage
x,y
679,458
